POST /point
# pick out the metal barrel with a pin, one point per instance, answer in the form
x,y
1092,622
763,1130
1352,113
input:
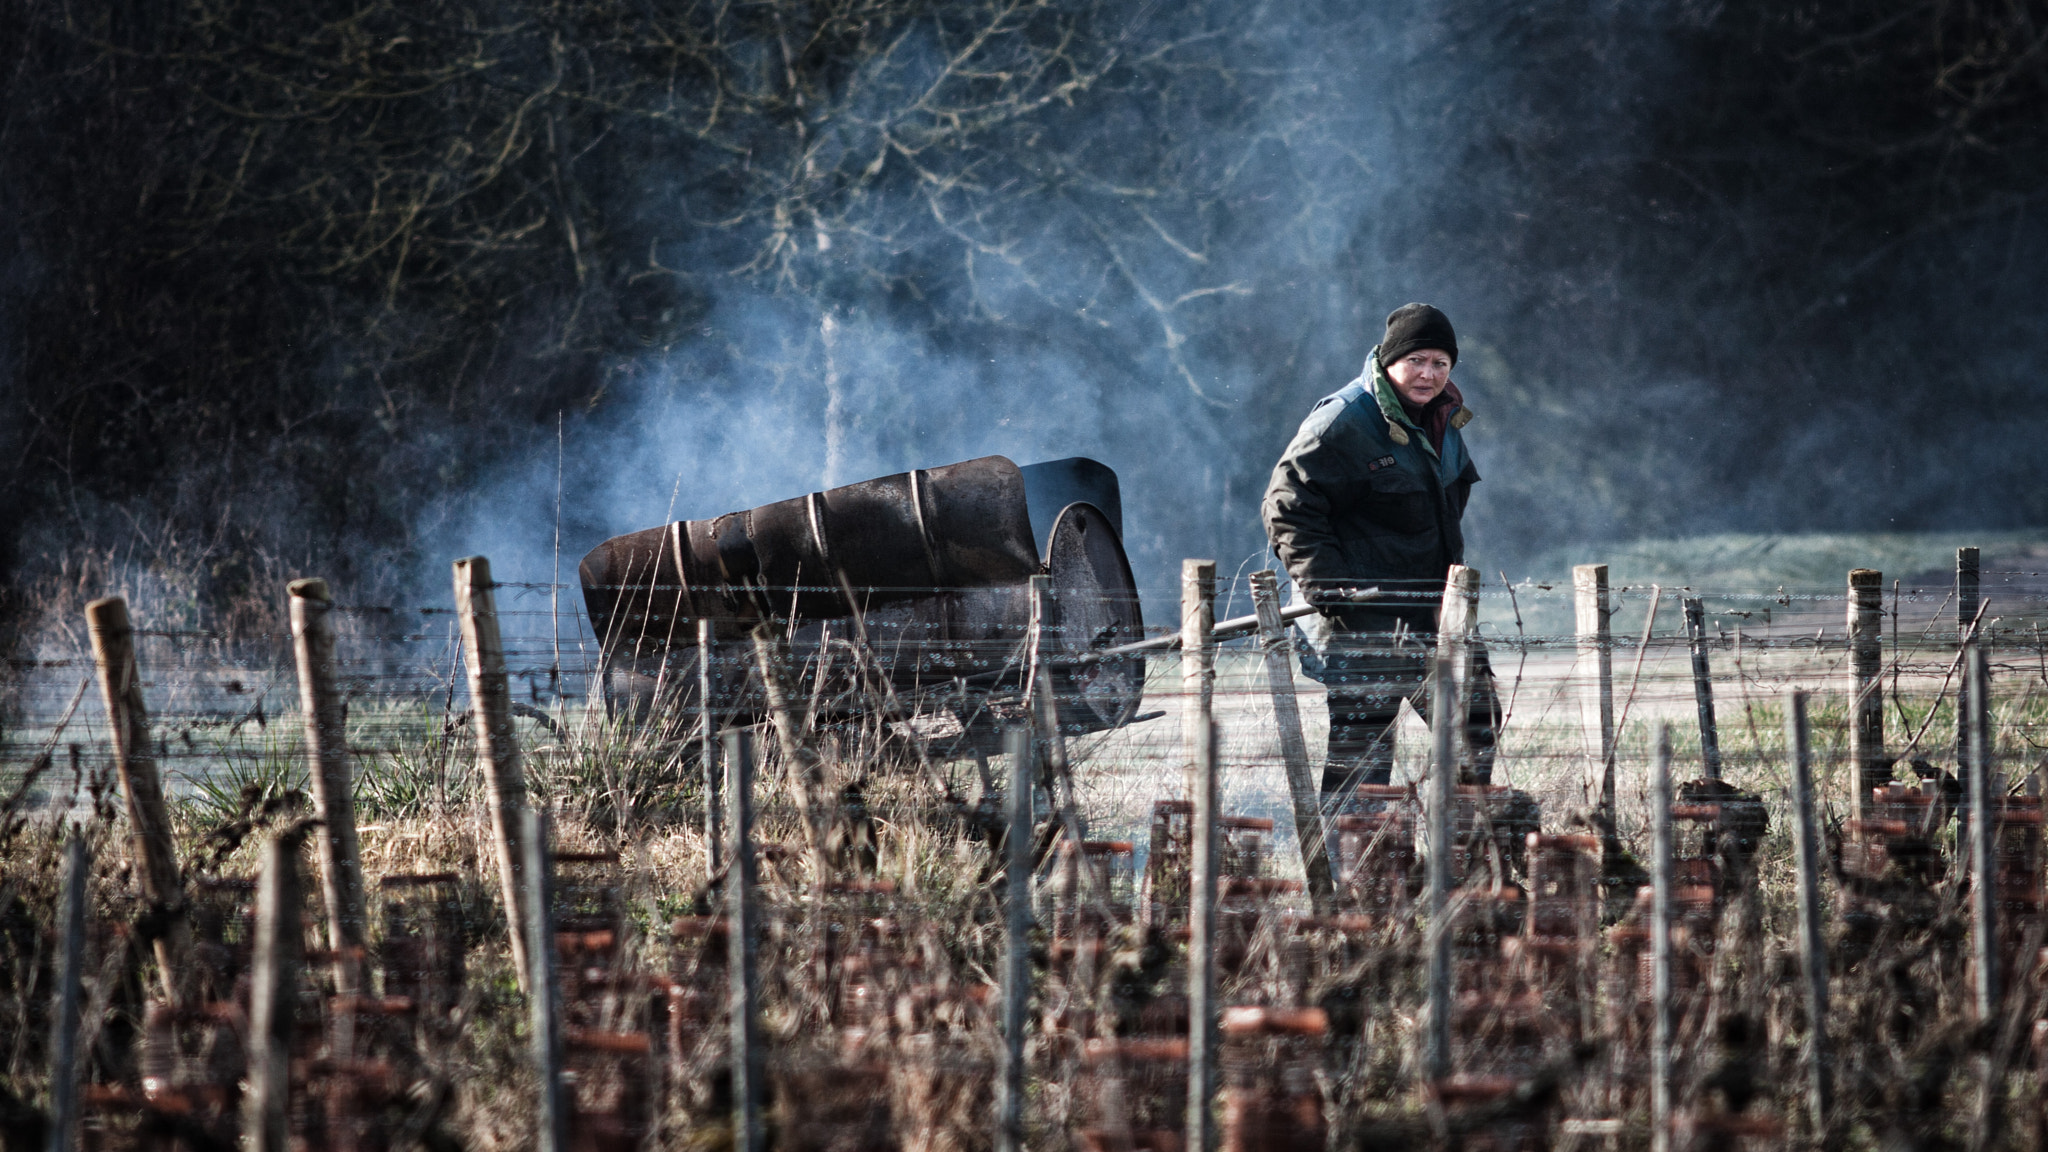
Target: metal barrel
x,y
935,565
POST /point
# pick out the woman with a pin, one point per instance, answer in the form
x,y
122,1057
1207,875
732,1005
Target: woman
x,y
1371,493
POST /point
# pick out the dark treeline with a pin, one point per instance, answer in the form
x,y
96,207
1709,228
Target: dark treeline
x,y
284,285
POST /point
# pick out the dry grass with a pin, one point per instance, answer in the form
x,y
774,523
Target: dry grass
x,y
1911,1065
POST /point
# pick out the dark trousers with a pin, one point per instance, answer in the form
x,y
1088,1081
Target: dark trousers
x,y
1368,674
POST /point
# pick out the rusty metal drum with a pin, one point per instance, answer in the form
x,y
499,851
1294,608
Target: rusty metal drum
x,y
922,576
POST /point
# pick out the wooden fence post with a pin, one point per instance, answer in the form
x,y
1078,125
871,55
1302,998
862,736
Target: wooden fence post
x,y
1969,591
1596,701
1866,707
1456,620
325,715
543,996
1660,945
1197,660
1277,653
708,748
273,990
1016,941
156,861
807,774
1985,798
1044,705
1202,944
64,1028
1813,957
1703,687
743,946
497,745
1443,775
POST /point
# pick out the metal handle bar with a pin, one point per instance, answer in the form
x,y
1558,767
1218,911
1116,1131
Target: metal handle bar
x,y
1227,629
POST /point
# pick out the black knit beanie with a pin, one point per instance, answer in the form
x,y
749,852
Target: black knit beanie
x,y
1415,326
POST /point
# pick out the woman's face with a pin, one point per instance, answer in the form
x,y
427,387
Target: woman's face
x,y
1420,376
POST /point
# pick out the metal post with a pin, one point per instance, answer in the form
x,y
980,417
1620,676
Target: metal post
x,y
1457,618
543,997
497,745
1813,957
1866,707
1660,946
1436,1051
1202,945
1016,941
64,1028
1277,652
1596,654
1968,597
1985,799
1197,656
156,860
321,705
1703,687
1198,681
273,989
743,946
708,748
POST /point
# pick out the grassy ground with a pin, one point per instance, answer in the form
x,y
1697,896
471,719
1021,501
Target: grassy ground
x,y
1758,581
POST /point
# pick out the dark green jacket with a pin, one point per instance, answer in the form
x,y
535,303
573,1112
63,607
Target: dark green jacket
x,y
1361,498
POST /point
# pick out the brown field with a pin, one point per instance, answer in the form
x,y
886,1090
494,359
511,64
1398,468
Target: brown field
x,y
880,988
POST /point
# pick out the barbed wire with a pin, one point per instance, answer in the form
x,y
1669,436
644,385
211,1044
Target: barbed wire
x,y
407,690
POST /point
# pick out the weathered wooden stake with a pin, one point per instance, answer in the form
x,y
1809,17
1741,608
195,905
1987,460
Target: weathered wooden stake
x,y
1660,945
1278,653
273,990
708,748
1596,700
1969,592
1197,659
1443,775
1866,708
1813,957
1985,795
807,774
1703,687
1456,620
321,704
1202,944
1059,775
156,861
497,745
64,1028
1016,942
543,996
742,946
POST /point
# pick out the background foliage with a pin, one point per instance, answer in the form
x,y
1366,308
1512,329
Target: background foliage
x,y
325,285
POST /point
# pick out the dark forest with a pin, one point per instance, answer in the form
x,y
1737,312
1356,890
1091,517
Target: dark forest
x,y
328,286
